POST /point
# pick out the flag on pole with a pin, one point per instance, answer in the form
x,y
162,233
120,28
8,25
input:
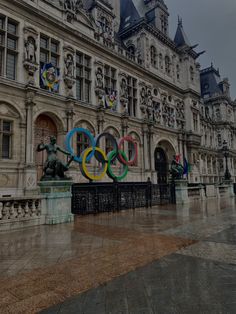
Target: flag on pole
x,y
187,168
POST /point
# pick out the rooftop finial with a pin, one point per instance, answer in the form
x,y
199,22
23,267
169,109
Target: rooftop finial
x,y
180,21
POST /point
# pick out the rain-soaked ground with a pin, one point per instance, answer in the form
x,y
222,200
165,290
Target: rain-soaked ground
x,y
166,259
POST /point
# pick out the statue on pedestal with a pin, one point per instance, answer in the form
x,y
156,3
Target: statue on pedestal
x,y
54,169
177,170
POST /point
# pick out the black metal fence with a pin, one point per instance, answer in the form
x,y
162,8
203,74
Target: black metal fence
x,y
107,197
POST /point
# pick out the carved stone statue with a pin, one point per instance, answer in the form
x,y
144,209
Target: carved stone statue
x,y
177,170
54,168
30,49
123,88
99,78
69,66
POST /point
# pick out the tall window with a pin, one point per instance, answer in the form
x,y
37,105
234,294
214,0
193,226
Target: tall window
x,y
83,77
49,53
130,153
191,74
178,72
109,146
132,96
5,139
109,79
164,24
160,61
167,64
153,52
8,47
195,122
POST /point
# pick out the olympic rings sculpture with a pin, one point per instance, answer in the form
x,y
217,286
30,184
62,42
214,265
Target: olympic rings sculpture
x,y
106,160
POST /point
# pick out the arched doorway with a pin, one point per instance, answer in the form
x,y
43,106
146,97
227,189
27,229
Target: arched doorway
x,y
161,166
44,128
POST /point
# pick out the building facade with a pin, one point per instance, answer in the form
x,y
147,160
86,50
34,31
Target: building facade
x,y
108,66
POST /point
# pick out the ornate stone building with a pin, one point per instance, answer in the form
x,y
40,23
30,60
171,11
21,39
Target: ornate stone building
x,y
107,66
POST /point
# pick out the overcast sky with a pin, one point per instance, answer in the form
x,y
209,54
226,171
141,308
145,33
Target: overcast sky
x,y
212,24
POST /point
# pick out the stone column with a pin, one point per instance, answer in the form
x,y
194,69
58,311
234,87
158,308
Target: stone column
x,y
151,152
100,119
124,124
70,114
145,148
29,127
30,171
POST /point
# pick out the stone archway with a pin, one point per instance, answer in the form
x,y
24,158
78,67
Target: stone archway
x,y
161,165
44,128
163,157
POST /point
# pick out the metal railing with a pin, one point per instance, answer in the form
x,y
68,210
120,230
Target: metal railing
x,y
109,197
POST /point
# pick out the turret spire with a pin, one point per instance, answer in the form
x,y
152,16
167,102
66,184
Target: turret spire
x,y
181,38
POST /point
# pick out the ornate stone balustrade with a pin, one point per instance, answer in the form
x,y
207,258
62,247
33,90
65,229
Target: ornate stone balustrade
x,y
20,211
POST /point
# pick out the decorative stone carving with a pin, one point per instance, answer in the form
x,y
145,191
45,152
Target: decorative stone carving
x,y
124,92
123,88
157,112
69,69
30,59
30,49
99,84
99,78
105,27
168,114
146,102
71,8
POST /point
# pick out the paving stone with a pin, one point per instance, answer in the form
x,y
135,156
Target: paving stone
x,y
48,265
226,236
221,252
192,285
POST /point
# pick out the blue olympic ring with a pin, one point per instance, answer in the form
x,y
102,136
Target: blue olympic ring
x,y
70,148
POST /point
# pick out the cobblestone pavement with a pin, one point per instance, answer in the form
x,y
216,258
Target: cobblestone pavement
x,y
162,260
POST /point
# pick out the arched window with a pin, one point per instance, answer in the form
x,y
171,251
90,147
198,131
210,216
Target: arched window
x,y
131,50
167,64
153,53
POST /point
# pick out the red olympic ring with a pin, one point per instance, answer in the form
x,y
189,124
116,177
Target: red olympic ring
x,y
134,156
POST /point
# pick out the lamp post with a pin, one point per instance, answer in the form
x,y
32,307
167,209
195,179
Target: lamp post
x,y
225,150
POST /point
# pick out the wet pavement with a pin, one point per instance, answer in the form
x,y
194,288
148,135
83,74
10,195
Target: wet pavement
x,y
160,260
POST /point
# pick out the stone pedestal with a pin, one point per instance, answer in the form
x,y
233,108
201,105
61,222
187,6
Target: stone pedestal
x,y
56,202
181,191
230,185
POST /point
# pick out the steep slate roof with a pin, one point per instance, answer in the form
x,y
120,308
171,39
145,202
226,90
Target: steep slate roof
x,y
181,38
129,14
210,81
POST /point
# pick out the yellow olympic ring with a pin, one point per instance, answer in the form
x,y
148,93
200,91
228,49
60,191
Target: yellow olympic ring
x,y
104,164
